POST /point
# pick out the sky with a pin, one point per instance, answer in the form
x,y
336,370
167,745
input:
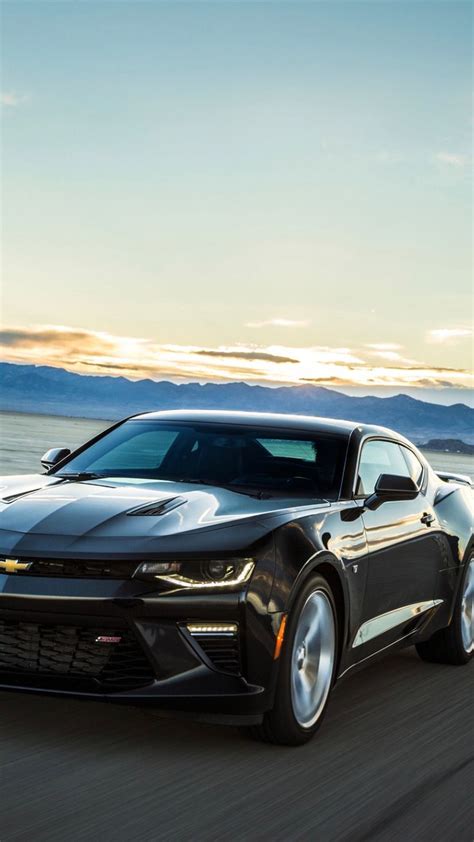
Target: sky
x,y
276,192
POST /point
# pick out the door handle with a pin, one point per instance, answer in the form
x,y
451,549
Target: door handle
x,y
427,518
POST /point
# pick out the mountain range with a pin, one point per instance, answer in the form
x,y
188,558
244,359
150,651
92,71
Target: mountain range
x,y
55,391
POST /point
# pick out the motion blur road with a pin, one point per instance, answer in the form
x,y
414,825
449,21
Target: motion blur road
x,y
393,761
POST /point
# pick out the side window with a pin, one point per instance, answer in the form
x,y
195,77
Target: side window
x,y
414,465
379,457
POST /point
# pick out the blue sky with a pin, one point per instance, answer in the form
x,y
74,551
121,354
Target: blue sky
x,y
289,179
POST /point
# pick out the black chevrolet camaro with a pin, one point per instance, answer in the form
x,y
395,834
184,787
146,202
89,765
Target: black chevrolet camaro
x,y
231,564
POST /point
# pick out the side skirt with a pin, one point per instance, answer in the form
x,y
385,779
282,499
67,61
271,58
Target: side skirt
x,y
391,619
400,642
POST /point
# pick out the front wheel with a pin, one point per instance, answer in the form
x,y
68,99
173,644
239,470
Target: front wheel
x,y
307,668
455,644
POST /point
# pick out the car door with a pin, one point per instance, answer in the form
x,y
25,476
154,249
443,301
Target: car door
x,y
404,556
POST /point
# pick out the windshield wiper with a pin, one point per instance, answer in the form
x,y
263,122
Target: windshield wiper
x,y
239,489
235,488
81,476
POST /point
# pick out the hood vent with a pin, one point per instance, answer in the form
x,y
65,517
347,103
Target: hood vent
x,y
157,508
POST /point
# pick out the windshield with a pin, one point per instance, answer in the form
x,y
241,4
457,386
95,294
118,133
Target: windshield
x,y
217,454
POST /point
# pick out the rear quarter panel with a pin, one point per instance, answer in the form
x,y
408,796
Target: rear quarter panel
x,y
454,510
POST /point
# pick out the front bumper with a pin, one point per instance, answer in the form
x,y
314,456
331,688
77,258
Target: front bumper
x,y
50,628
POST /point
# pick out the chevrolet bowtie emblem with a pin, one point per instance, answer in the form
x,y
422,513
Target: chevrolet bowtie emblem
x,y
12,565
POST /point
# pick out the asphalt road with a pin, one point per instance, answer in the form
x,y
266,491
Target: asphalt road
x,y
393,761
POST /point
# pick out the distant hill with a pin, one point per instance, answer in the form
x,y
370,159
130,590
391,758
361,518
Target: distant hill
x,y
46,390
449,446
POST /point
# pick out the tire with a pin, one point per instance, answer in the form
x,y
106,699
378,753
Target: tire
x,y
306,670
455,644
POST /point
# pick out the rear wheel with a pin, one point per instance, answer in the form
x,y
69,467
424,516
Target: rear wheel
x,y
307,668
455,644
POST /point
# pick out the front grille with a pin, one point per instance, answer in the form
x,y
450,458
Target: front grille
x,y
222,650
75,568
72,654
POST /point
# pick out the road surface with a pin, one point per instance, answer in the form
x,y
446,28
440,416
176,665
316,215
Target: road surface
x,y
394,761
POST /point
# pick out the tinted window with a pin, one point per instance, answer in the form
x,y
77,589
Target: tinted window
x,y
290,448
142,450
379,457
414,465
307,465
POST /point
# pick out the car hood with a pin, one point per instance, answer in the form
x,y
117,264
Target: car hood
x,y
44,515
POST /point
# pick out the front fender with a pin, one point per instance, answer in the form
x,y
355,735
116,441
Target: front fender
x,y
326,544
322,561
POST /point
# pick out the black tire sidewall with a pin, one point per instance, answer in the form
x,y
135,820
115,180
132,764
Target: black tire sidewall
x,y
457,618
282,715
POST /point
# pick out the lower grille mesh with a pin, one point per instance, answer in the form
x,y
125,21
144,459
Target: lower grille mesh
x,y
72,652
222,651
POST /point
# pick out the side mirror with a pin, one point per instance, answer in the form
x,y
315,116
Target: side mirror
x,y
391,487
54,456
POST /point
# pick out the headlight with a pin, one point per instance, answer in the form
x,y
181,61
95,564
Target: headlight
x,y
218,574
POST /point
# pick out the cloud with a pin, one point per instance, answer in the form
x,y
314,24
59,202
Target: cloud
x,y
278,323
9,99
408,365
452,159
322,381
384,346
389,351
247,355
449,334
28,337
137,370
443,384
96,352
392,356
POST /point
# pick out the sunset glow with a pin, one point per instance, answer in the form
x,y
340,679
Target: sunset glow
x,y
92,352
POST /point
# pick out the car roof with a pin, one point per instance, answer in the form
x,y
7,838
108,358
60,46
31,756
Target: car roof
x,y
303,423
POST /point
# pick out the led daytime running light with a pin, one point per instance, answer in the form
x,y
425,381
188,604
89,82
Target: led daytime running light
x,y
184,582
215,628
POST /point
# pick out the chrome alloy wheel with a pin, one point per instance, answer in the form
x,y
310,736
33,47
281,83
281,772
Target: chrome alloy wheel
x,y
312,659
467,610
